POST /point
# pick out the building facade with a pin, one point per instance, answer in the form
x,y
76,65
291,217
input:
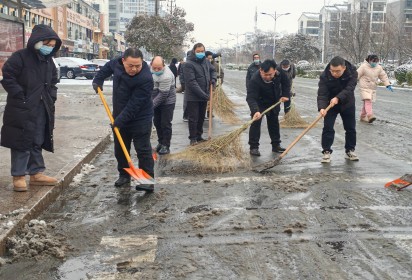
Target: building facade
x,y
309,24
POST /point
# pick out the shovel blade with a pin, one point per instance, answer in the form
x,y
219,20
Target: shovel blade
x,y
400,183
140,175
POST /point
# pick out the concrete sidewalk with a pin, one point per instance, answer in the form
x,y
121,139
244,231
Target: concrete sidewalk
x,y
82,130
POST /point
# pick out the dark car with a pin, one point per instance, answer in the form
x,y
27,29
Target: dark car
x,y
72,67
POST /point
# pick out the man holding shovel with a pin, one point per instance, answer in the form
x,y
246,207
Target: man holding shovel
x,y
337,86
132,110
266,87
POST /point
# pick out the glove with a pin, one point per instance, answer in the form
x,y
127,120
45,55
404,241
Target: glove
x,y
95,86
213,83
389,87
216,55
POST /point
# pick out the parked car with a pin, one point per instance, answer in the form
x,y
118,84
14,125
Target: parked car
x,y
100,61
72,67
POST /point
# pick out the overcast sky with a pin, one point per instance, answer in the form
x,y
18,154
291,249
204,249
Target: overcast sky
x,y
214,19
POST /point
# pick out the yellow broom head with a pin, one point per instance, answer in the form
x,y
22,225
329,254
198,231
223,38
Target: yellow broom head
x,y
223,107
292,119
218,155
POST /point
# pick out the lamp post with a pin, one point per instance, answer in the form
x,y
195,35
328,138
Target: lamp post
x,y
237,35
275,17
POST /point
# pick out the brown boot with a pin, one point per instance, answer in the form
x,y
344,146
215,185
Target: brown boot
x,y
40,179
19,184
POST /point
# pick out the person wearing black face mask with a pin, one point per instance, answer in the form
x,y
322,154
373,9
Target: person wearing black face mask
x,y
199,75
30,78
266,87
290,71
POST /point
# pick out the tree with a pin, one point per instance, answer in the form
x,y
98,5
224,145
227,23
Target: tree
x,y
297,47
160,36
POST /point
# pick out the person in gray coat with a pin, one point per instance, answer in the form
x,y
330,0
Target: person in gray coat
x,y
199,76
164,100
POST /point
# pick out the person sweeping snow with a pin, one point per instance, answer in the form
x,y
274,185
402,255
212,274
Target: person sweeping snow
x,y
368,74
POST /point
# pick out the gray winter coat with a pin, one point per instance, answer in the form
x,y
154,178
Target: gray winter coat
x,y
164,91
198,76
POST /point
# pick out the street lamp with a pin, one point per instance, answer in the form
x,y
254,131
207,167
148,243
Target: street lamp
x,y
227,42
237,44
275,17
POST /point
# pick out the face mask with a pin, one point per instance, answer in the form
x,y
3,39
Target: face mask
x,y
256,61
373,64
286,69
45,50
200,55
158,73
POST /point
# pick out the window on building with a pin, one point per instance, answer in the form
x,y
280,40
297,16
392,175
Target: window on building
x,y
378,6
377,27
409,4
312,24
377,17
408,17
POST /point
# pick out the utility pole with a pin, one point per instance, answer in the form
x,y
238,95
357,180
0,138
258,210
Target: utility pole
x,y
237,44
156,7
171,5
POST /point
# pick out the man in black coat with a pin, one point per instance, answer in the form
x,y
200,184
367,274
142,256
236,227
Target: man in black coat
x,y
337,86
199,76
266,87
290,71
253,68
30,79
132,110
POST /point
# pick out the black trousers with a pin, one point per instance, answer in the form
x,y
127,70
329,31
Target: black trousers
x,y
349,124
163,116
196,111
139,132
273,128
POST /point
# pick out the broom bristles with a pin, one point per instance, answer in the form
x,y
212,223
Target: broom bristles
x,y
223,107
293,119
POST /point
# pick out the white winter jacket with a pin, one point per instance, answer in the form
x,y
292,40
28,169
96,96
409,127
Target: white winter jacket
x,y
368,78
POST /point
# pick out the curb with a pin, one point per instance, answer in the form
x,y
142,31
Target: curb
x,y
69,170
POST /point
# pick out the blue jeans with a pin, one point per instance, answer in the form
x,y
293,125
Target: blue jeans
x,y
349,124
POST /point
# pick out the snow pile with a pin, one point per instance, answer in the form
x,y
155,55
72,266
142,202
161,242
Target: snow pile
x,y
7,220
86,169
34,240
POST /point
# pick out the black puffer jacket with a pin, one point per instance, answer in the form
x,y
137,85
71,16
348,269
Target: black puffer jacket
x,y
250,71
261,95
30,81
342,88
198,75
132,95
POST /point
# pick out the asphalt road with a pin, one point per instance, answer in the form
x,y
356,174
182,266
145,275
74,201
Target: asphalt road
x,y
300,220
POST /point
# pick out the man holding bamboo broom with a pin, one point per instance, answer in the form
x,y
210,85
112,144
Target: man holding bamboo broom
x,y
266,87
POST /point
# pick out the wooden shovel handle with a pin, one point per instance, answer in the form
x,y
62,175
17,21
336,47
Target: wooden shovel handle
x,y
210,112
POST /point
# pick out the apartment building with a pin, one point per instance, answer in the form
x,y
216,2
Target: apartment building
x,y
309,24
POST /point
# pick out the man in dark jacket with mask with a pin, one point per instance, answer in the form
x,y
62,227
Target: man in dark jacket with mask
x,y
199,75
337,86
132,110
253,67
266,87
30,79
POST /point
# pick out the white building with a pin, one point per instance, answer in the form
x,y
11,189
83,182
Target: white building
x,y
309,24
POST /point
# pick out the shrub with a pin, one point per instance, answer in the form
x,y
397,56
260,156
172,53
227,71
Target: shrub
x,y
400,73
409,78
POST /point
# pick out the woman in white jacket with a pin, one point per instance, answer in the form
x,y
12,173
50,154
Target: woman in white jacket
x,y
368,74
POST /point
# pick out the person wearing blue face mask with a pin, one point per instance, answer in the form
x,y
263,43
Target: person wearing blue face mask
x,y
253,67
164,100
30,78
368,74
199,76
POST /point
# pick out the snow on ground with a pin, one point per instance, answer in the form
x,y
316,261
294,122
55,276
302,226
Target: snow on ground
x,y
81,81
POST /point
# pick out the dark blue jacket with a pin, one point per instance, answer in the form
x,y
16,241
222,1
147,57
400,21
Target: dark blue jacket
x,y
132,99
30,81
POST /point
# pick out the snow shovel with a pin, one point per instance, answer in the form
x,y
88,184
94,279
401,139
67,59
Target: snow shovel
x,y
209,134
267,165
139,174
400,183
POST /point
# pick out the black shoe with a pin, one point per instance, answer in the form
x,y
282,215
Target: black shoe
x,y
122,181
255,152
164,150
278,149
145,187
158,147
193,142
200,139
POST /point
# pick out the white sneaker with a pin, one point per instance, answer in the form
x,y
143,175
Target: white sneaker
x,y
326,157
351,156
